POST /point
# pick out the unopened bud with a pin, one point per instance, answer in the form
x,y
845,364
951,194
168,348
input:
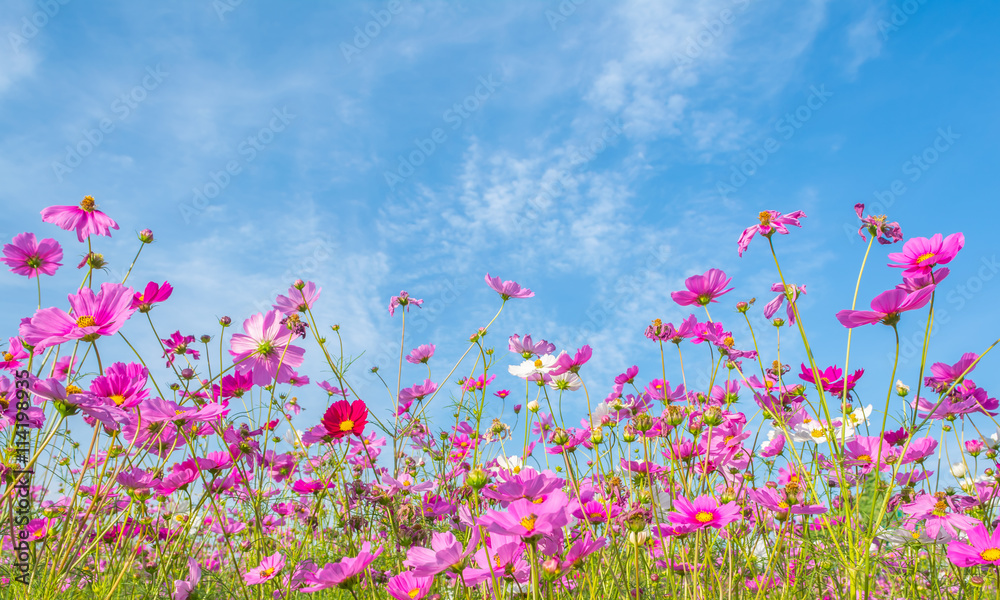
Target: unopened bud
x,y
597,436
477,479
642,422
146,236
225,321
742,306
902,389
560,436
533,406
299,284
712,416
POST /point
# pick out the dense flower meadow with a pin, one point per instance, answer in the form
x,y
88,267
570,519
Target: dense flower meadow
x,y
774,481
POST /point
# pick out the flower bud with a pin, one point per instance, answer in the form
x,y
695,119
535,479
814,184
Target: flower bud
x,y
206,339
517,409
712,416
642,422
596,436
550,566
778,322
560,436
628,434
477,479
225,321
902,389
299,284
742,306
533,406
675,415
146,236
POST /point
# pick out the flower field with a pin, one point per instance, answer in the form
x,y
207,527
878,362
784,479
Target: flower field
x,y
773,481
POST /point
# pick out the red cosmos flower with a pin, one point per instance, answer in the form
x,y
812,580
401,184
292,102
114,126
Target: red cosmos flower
x,y
344,418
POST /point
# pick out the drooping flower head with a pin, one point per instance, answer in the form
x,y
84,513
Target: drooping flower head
x,y
27,256
921,255
85,219
886,308
404,300
345,418
877,227
770,222
702,289
94,315
791,292
508,289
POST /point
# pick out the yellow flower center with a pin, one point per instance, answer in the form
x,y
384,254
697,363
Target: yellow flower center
x,y
940,508
346,425
8,356
765,218
538,363
88,203
529,522
865,458
783,505
416,591
72,389
703,517
267,572
990,554
118,398
924,257
818,433
86,321
729,341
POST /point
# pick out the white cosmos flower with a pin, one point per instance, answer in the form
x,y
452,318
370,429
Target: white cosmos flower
x,y
542,364
567,381
958,470
514,464
816,431
293,437
859,416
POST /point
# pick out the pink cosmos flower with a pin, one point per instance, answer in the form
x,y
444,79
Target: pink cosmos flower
x,y
770,222
404,300
943,374
11,359
445,552
921,255
153,294
566,364
121,385
528,348
934,510
528,520
508,289
772,307
702,289
265,349
886,308
912,284
98,314
332,390
703,511
420,354
184,587
407,586
27,256
301,297
983,548
235,385
268,569
343,573
85,219
775,501
885,233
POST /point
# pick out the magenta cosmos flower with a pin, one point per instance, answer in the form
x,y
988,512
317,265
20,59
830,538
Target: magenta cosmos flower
x,y
268,569
407,586
702,289
265,349
508,289
886,307
404,300
703,511
85,219
27,256
94,315
770,221
301,297
154,293
791,292
529,520
983,548
921,255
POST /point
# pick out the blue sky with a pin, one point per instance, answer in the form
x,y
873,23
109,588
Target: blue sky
x,y
588,150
